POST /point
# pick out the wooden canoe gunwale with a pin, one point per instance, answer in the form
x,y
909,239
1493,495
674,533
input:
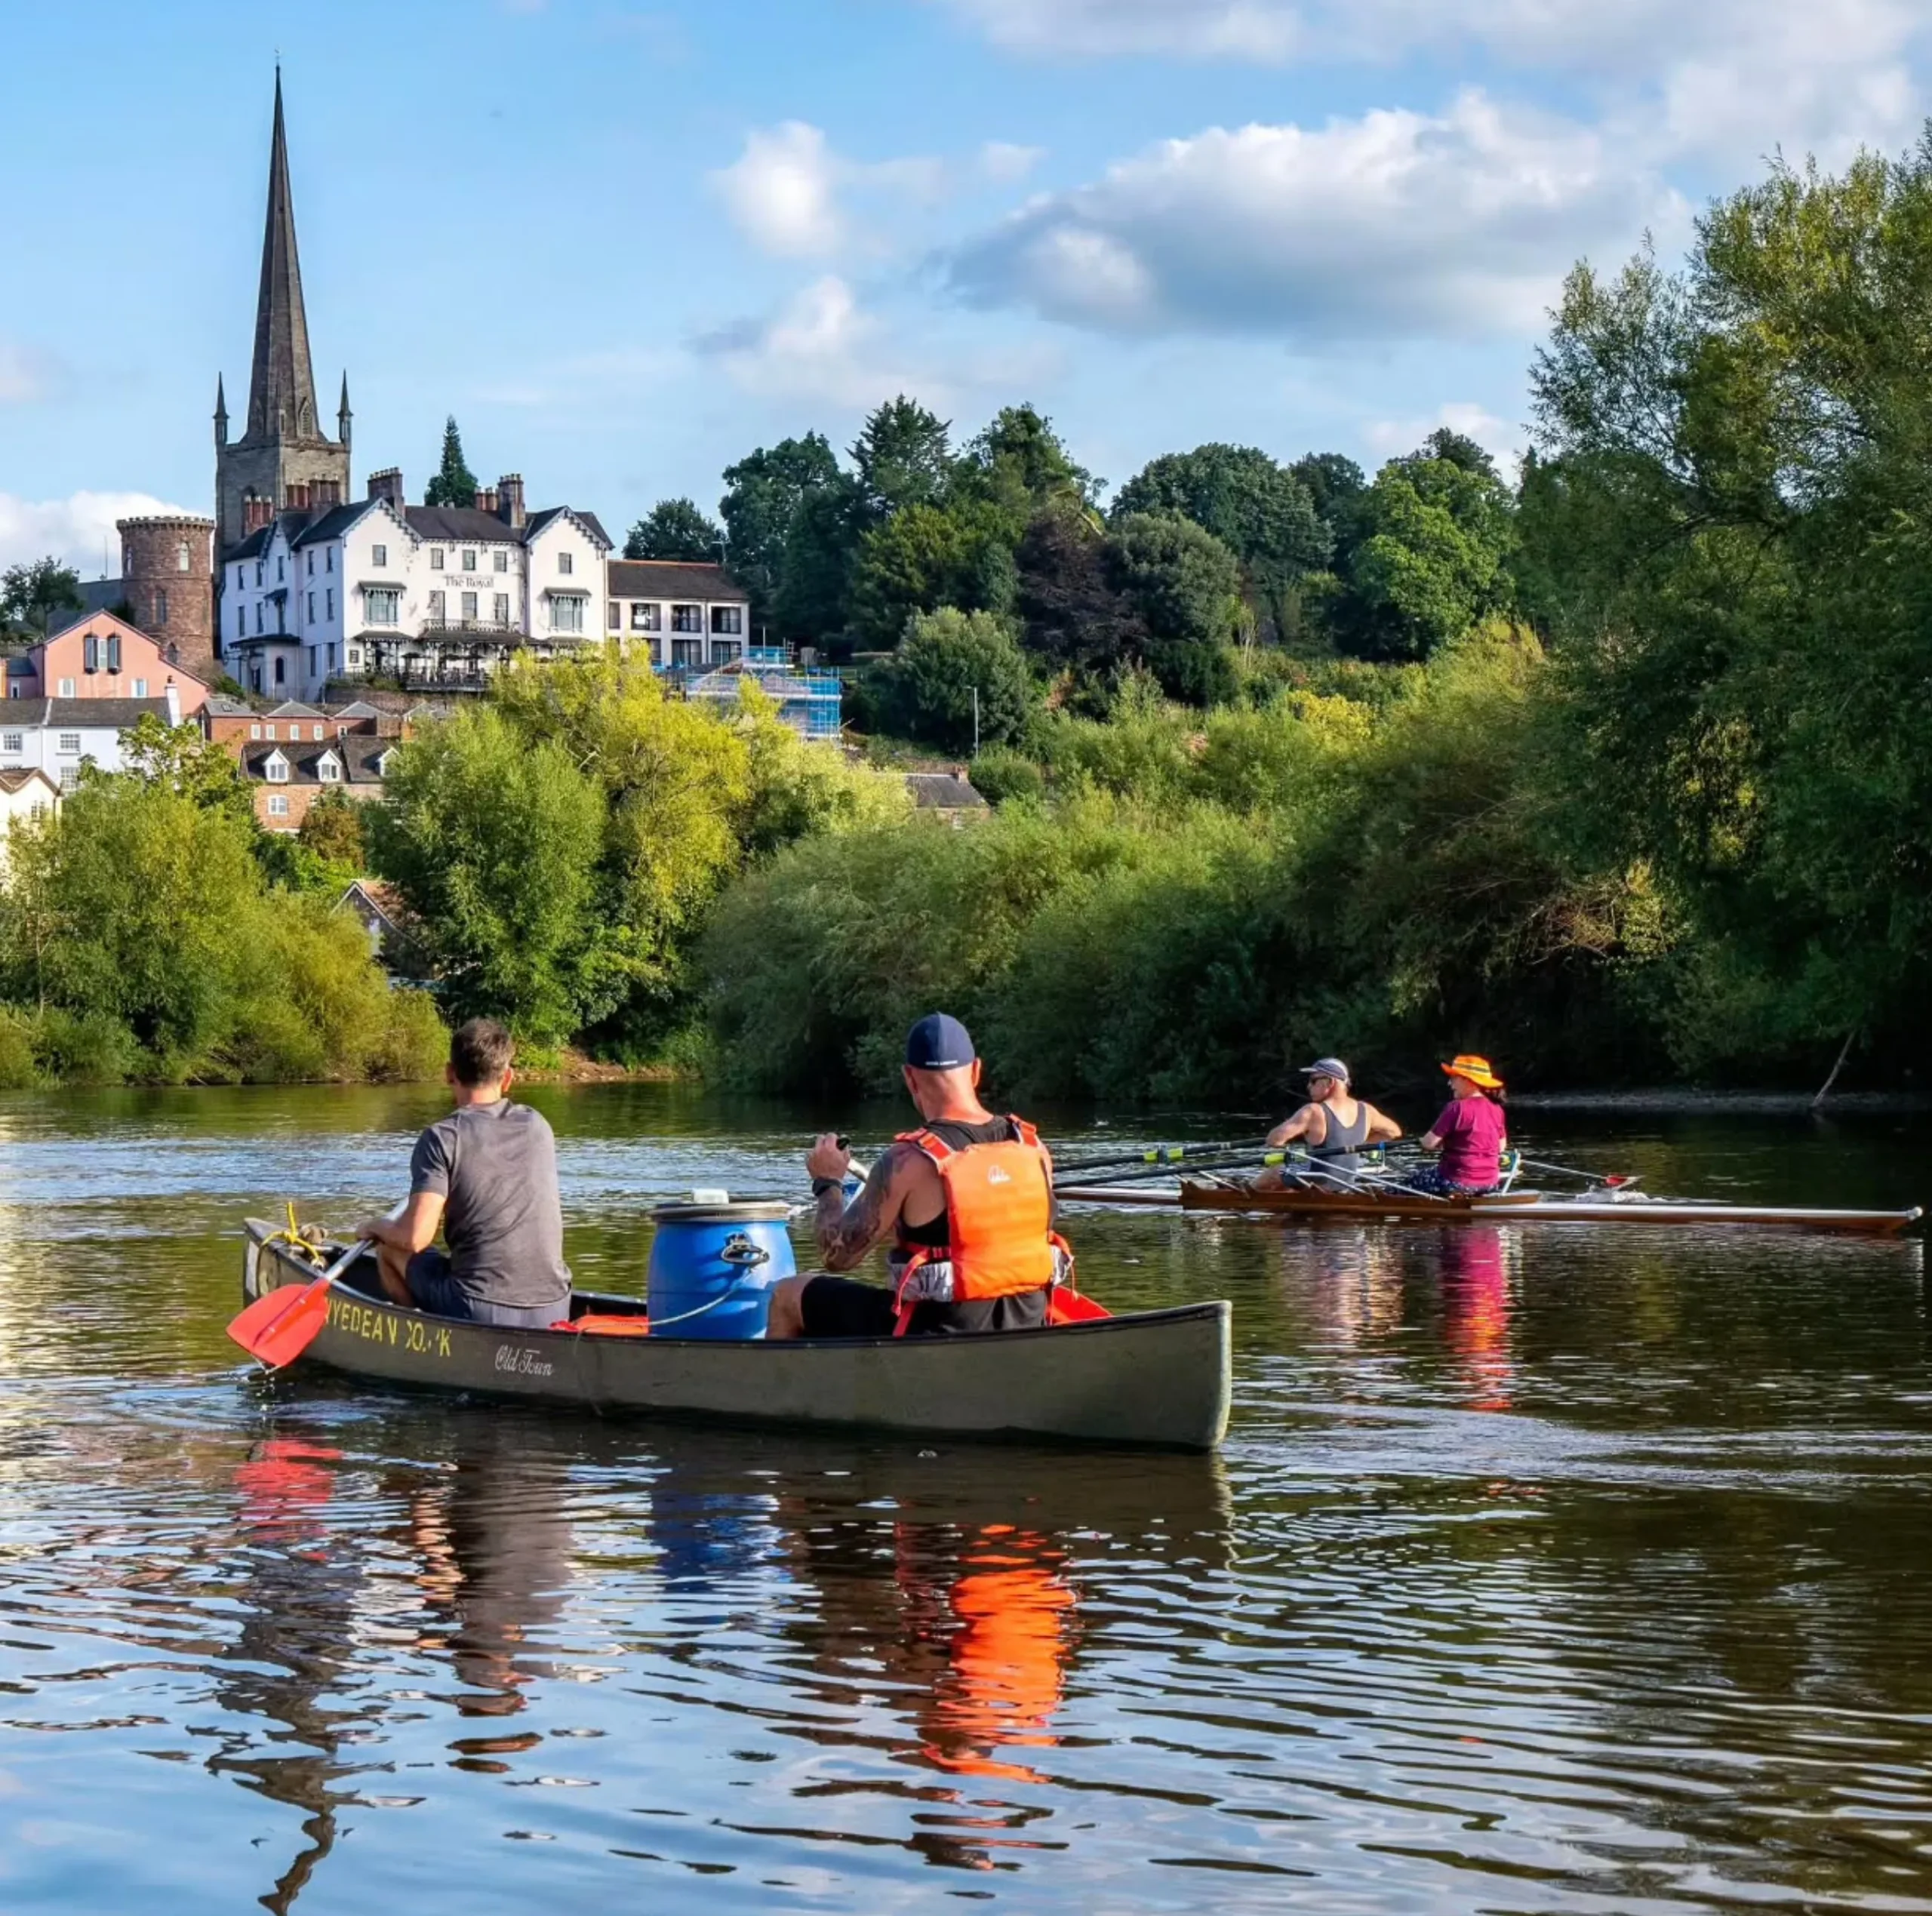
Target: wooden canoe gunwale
x,y
1152,1379
1508,1207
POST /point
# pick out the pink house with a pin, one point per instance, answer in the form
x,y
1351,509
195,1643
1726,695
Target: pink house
x,y
100,657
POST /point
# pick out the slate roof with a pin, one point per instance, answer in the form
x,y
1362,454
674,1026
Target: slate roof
x,y
332,523
223,705
943,792
542,518
359,757
294,709
14,777
81,714
670,579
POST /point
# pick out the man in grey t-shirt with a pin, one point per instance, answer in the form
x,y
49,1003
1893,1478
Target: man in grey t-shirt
x,y
487,1174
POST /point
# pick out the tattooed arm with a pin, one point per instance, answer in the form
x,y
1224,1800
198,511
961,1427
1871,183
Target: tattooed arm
x,y
846,1232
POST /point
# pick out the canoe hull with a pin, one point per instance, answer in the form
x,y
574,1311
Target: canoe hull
x,y
1157,1379
1514,1207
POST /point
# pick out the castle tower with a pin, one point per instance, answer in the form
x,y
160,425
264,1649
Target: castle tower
x,y
168,578
283,455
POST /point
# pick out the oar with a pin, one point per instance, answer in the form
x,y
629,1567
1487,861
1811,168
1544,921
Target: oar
x,y
276,1329
1140,1173
1161,1154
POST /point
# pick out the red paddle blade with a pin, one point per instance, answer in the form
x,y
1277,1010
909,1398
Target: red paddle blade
x,y
277,1329
1069,1307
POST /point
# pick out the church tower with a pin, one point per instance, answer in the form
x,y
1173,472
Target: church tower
x,y
283,460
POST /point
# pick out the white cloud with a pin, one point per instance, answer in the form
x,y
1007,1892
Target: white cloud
x,y
1001,161
1398,224
1388,438
26,374
1199,30
76,530
785,192
1729,78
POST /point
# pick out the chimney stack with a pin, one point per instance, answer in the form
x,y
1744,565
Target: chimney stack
x,y
510,508
387,484
487,500
171,693
256,512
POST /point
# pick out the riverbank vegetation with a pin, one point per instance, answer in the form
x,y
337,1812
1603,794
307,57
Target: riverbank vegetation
x,y
151,933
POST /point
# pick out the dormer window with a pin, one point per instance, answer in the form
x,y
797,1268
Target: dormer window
x,y
328,769
275,769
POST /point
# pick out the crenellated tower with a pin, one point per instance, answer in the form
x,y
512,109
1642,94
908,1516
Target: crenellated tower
x,y
283,456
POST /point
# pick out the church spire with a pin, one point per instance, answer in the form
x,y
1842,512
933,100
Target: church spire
x,y
281,392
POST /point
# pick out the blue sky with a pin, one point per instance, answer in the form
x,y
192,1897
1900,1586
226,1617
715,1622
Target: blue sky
x,y
625,243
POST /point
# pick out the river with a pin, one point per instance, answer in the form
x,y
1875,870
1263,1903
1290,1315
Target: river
x,y
1570,1571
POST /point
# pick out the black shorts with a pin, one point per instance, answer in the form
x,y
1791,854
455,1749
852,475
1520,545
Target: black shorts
x,y
842,1307
432,1284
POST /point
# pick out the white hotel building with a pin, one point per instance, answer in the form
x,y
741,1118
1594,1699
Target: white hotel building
x,y
429,596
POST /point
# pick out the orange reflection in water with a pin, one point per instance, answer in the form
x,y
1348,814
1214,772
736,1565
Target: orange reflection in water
x,y
1476,1309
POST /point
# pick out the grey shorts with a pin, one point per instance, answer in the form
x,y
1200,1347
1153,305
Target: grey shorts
x,y
433,1286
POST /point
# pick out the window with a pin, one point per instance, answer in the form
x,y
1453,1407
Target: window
x,y
13,741
381,605
723,651
435,558
254,731
469,606
271,730
566,563
276,770
278,804
727,618
328,603
114,648
312,620
687,618
436,603
503,613
379,555
66,688
313,661
688,651
311,573
355,655
240,621
141,688
332,651
644,618
70,741
281,669
613,621
258,618
239,581
281,570
328,559
160,616
315,733
182,561
502,562
567,615
469,558
91,652
70,778
258,572
328,771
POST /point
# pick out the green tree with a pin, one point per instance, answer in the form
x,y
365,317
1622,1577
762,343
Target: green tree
x,y
675,529
1019,462
821,549
1071,612
763,494
454,484
947,659
903,457
34,593
1259,510
179,758
1185,585
332,829
493,841
927,556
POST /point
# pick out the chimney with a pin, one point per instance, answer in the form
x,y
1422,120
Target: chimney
x,y
387,484
171,693
256,513
487,499
510,508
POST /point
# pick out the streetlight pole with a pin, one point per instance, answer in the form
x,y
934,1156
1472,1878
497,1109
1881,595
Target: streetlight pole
x,y
976,722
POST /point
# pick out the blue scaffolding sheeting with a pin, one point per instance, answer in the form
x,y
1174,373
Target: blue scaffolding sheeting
x,y
810,702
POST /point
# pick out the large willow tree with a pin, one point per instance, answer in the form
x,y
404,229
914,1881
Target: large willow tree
x,y
1730,530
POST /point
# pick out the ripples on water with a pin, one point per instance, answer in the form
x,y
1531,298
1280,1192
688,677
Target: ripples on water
x,y
1565,1571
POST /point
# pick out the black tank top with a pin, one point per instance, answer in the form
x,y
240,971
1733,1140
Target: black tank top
x,y
1341,1142
936,1232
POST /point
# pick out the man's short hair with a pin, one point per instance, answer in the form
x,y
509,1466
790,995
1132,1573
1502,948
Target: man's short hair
x,y
480,1052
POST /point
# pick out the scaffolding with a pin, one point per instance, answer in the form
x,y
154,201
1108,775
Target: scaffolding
x,y
809,702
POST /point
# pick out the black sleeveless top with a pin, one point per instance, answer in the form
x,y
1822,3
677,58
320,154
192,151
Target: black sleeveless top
x,y
1341,1142
936,1232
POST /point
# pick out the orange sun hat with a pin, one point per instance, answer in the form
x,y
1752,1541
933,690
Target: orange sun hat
x,y
1475,1069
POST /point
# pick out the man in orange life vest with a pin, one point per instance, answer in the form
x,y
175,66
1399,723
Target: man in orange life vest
x,y
967,1200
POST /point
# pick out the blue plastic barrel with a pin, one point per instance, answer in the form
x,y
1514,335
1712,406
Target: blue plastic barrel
x,y
712,1267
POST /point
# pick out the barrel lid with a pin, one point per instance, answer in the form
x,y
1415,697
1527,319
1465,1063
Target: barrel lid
x,y
751,1210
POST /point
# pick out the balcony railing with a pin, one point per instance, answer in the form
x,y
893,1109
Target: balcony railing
x,y
434,626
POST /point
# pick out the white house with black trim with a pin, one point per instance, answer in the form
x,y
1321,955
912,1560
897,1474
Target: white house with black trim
x,y
430,597
59,736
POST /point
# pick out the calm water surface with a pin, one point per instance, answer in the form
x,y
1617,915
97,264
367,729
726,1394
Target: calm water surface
x,y
1569,1571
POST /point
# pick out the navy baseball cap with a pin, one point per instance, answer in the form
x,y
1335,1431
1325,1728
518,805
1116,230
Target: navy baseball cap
x,y
939,1043
1327,1068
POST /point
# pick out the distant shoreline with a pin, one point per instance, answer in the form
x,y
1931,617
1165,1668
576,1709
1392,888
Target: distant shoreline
x,y
1666,1103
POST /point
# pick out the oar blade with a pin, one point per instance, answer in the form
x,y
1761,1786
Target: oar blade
x,y
1065,1306
276,1329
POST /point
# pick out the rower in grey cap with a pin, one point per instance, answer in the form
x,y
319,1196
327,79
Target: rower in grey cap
x,y
1334,1127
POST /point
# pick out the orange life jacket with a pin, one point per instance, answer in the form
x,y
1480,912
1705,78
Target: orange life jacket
x,y
999,1209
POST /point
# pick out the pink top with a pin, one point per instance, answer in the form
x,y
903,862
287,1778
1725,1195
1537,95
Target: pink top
x,y
1473,1133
